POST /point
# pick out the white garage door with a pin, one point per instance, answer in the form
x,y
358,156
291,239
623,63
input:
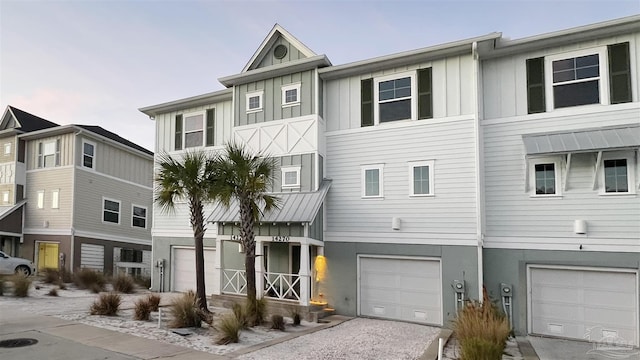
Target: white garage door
x,y
92,257
184,269
400,289
584,304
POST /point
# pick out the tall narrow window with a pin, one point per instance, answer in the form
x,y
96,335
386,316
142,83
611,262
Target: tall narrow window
x,y
111,211
139,216
7,148
615,176
545,179
372,176
193,130
41,199
55,199
88,154
5,197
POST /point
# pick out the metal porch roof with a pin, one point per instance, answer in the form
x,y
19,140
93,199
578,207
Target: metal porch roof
x,y
619,137
294,207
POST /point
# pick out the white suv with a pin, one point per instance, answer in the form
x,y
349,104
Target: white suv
x,y
14,265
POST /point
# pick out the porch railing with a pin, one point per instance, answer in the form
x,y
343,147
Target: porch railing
x,y
234,282
282,286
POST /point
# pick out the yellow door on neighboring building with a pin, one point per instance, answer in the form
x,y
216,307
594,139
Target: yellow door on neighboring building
x,y
47,256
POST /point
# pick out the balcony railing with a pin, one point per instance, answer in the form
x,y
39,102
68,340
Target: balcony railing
x,y
282,286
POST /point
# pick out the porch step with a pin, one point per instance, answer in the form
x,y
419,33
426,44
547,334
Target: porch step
x,y
317,316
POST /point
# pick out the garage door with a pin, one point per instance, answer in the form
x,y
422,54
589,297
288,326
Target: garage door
x,y
400,289
584,304
184,269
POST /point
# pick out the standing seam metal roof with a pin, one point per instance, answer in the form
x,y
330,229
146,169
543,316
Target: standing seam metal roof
x,y
619,137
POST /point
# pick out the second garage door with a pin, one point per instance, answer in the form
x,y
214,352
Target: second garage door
x,y
584,304
407,289
184,269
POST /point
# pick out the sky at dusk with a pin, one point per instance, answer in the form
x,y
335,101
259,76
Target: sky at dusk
x,y
97,62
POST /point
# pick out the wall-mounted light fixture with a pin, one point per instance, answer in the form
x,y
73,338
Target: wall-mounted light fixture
x,y
580,227
395,223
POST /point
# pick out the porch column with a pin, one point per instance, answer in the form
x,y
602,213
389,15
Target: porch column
x,y
305,274
259,270
217,265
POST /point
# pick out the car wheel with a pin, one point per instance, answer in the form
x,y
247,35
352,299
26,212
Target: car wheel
x,y
23,270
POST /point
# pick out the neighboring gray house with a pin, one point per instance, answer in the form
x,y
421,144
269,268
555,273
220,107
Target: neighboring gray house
x,y
412,180
84,192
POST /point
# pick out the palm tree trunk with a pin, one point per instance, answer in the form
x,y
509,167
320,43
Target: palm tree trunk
x,y
197,224
248,241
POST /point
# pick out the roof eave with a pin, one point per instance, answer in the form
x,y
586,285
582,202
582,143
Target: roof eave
x,y
199,100
276,70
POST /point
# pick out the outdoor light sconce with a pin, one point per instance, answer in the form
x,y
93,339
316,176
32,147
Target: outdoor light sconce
x,y
395,223
580,227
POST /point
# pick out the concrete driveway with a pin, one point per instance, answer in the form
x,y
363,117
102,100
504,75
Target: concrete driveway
x,y
556,349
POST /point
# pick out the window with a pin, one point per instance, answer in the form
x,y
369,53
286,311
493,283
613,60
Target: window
x,y
193,130
49,153
111,211
55,199
139,216
7,148
291,177
403,96
421,178
41,199
615,176
372,177
254,101
600,75
190,129
545,176
5,197
131,255
88,154
291,95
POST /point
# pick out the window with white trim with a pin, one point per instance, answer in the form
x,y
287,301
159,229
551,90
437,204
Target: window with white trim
x,y
49,153
5,197
291,95
394,98
110,211
254,101
88,154
194,124
578,79
372,178
7,148
618,173
545,176
139,216
55,199
421,178
290,177
40,202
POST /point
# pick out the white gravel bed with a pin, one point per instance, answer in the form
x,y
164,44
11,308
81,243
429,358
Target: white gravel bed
x,y
511,350
355,339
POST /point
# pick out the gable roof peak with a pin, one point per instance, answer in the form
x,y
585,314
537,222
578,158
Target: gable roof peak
x,y
270,39
27,122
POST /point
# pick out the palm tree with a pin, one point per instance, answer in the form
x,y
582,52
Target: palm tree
x,y
246,178
188,179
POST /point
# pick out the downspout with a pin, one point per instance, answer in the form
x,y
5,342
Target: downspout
x,y
73,192
478,172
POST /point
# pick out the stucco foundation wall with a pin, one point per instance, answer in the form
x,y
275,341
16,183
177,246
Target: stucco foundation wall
x,y
162,250
341,284
509,266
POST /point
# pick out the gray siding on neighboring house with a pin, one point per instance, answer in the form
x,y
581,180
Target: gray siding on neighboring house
x,y
90,188
307,172
272,108
448,217
512,213
452,92
166,126
316,228
66,150
116,162
504,82
48,180
292,54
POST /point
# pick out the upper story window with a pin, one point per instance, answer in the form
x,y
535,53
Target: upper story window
x,y
49,153
421,178
254,101
598,75
7,148
40,199
290,177
194,129
291,95
88,154
110,211
55,199
372,177
139,216
402,96
5,197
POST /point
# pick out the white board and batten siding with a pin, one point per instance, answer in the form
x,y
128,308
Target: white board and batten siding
x,y
598,305
400,288
452,92
66,149
183,269
448,217
92,257
177,222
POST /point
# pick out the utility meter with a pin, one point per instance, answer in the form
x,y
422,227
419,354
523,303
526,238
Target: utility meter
x,y
506,290
458,286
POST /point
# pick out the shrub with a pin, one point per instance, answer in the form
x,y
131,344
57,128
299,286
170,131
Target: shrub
x,y
90,279
277,322
185,311
2,285
154,301
123,284
256,311
142,310
66,276
295,316
229,330
107,304
21,285
53,292
142,281
240,315
51,276
62,285
482,330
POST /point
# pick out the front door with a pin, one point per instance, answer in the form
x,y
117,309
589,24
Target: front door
x,y
47,256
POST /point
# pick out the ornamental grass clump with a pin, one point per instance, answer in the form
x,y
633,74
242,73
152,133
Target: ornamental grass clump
x,y
256,311
241,315
107,304
277,322
295,316
185,311
482,330
21,285
154,301
123,284
142,310
51,276
53,292
228,329
90,279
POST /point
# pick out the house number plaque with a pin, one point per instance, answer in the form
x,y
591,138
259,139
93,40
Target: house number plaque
x,y
280,238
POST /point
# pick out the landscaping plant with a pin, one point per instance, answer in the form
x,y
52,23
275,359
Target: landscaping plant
x,y
1,285
277,322
229,330
241,315
123,284
185,311
89,279
295,316
142,310
482,330
154,301
256,311
107,304
21,285
51,276
53,292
